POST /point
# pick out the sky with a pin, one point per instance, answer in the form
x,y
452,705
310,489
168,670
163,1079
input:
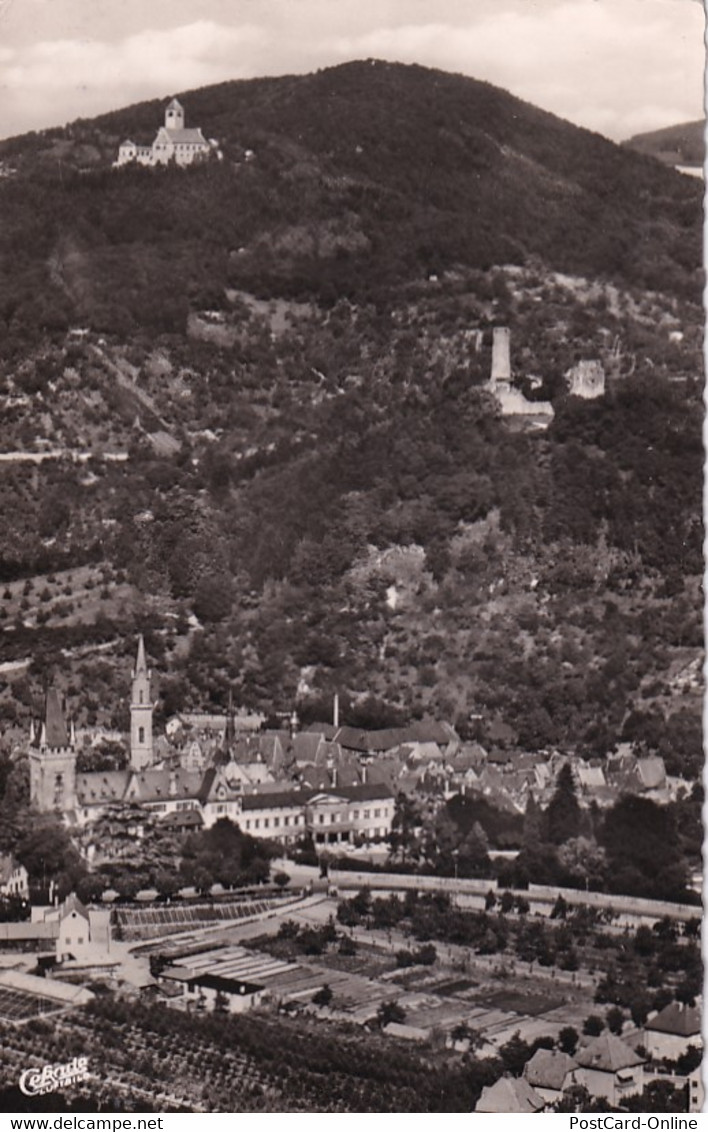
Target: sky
x,y
619,67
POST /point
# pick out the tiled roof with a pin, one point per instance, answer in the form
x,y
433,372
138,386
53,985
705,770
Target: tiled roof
x,y
305,745
182,819
426,731
509,1094
652,772
317,778
181,137
287,799
73,904
684,1021
608,1053
590,777
101,786
366,793
548,1068
161,785
327,729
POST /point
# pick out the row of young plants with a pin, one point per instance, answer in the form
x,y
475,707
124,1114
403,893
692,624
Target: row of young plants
x,y
358,1072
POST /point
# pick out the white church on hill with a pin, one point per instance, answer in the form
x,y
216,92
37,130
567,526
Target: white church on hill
x,y
174,142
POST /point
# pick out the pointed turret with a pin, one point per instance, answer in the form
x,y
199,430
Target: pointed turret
x,y
141,667
55,733
141,712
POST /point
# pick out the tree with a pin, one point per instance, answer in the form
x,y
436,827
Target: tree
x,y
167,883
583,860
560,908
568,1040
641,841
221,1003
575,1099
615,1020
463,1032
506,902
639,1008
47,850
593,1025
91,887
390,1011
323,996
515,1053
563,813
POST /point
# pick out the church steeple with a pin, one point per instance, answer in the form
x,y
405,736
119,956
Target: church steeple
x,y
53,760
140,713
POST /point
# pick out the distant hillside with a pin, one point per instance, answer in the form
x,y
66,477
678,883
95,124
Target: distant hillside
x,y
684,144
364,176
269,373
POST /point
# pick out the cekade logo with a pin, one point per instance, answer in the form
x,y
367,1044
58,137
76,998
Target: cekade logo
x,y
50,1078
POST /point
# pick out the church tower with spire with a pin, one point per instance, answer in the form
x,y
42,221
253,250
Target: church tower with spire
x,y
52,760
141,713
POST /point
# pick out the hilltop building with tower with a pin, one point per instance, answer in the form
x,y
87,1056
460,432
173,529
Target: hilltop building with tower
x,y
174,142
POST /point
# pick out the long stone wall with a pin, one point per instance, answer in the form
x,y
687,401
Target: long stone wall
x,y
540,897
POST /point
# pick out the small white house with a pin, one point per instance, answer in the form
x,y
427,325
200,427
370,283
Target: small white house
x,y
14,880
610,1069
669,1033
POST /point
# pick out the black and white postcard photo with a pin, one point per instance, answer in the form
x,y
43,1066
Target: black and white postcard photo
x,y
351,561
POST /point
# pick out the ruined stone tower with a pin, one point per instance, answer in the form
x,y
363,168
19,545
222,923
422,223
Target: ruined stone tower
x,y
501,357
586,379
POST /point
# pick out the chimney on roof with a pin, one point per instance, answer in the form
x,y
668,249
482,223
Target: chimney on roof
x,y
334,776
363,775
173,783
294,722
335,710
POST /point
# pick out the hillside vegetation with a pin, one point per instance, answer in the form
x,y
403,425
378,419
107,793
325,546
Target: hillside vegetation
x,y
272,368
684,144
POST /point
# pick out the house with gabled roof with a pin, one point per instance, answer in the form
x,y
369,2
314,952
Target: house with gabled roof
x,y
609,1068
550,1072
589,777
510,1094
670,1032
14,879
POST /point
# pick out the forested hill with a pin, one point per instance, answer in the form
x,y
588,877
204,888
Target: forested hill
x,y
363,176
684,144
272,367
